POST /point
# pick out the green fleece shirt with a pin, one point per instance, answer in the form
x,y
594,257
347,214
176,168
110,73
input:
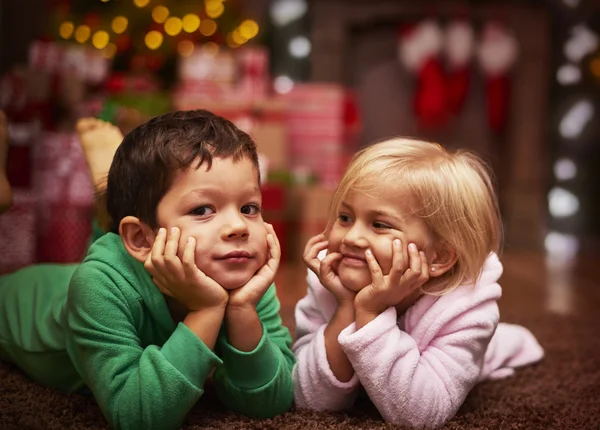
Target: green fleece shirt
x,y
104,325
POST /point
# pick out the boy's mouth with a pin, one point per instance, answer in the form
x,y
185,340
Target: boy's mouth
x,y
236,256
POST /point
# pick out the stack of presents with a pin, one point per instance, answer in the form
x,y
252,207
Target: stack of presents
x,y
305,139
52,192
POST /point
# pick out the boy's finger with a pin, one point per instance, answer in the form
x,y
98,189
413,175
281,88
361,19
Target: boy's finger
x,y
275,251
275,241
172,242
158,248
189,256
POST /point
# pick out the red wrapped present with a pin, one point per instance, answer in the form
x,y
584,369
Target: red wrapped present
x,y
318,131
253,81
307,210
65,198
18,232
273,207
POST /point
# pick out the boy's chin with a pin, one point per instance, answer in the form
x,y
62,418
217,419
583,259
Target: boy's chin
x,y
234,283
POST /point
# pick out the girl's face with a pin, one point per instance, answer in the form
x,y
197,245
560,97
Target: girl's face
x,y
373,221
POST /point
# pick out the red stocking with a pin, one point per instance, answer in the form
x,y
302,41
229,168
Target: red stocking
x,y
497,54
430,100
457,87
498,96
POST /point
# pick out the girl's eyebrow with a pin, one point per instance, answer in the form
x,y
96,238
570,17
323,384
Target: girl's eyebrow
x,y
386,214
379,213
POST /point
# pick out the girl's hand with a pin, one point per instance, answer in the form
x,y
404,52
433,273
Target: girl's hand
x,y
324,269
250,294
181,278
401,283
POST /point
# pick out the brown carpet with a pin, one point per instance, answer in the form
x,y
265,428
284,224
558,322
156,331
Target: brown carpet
x,y
562,392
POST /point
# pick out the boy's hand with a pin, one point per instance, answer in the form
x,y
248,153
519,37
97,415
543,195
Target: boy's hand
x,y
402,281
250,294
181,278
324,269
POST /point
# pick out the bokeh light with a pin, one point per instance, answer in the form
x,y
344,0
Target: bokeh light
x,y
153,39
66,29
119,24
100,39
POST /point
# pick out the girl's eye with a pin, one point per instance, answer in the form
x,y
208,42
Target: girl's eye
x,y
380,225
250,209
344,218
203,211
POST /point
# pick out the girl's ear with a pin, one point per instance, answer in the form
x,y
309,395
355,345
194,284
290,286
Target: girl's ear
x,y
137,237
442,261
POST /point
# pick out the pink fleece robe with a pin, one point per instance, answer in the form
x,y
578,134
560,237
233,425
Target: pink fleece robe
x,y
419,368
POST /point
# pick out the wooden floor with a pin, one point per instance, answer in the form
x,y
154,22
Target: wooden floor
x,y
532,283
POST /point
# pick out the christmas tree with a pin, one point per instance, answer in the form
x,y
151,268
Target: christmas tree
x,y
150,34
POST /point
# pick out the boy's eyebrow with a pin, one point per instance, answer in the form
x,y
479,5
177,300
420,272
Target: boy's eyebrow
x,y
216,191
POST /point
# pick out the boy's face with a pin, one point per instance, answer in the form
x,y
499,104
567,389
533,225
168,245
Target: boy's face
x,y
220,208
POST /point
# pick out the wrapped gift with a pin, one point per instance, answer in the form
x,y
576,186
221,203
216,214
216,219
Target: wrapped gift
x,y
270,132
65,198
46,56
265,121
317,130
206,66
253,65
240,76
307,213
273,207
69,60
18,232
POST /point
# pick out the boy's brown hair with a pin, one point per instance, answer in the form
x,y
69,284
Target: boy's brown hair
x,y
145,164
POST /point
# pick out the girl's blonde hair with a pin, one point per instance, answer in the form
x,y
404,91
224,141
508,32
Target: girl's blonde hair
x,y
451,191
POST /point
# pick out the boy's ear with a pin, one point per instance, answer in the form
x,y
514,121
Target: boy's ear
x,y
443,261
137,237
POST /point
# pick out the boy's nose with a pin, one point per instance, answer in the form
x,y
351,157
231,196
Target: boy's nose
x,y
235,227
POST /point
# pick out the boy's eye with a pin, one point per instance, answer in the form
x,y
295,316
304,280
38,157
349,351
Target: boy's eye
x,y
252,209
202,211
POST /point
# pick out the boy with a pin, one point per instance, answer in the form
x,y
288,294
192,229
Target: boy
x,y
105,325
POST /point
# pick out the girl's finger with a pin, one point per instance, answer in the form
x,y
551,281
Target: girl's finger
x,y
326,269
376,275
415,259
424,268
327,262
397,268
313,250
315,239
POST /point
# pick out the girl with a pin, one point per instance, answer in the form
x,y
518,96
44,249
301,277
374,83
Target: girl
x,y
402,288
